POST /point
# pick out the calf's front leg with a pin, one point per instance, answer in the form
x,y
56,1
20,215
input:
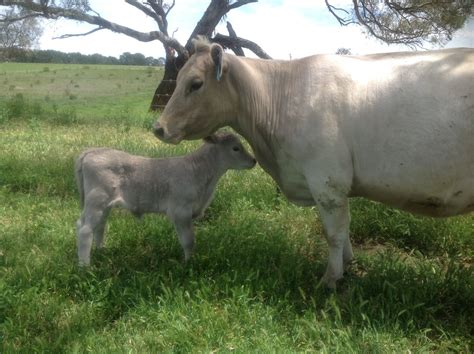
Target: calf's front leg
x,y
183,224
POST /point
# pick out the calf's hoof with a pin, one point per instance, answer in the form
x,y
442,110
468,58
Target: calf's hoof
x,y
330,281
84,263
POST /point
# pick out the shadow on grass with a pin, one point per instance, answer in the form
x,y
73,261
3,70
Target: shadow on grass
x,y
241,254
372,221
386,290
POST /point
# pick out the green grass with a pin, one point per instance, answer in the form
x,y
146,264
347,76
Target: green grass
x,y
253,284
78,92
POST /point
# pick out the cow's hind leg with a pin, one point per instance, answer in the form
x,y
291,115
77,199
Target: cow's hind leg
x,y
347,254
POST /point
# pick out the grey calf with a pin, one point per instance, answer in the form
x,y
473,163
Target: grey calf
x,y
180,187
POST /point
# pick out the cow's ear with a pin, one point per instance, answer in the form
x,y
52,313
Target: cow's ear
x,y
211,139
217,54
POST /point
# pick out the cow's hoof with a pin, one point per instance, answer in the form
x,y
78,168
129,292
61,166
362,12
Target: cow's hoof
x,y
328,283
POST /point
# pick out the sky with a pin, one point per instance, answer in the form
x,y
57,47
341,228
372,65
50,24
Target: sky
x,y
283,28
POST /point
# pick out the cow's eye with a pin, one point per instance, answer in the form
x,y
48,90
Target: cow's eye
x,y
236,148
195,85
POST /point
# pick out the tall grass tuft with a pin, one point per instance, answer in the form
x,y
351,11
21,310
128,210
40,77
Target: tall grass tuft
x,y
18,107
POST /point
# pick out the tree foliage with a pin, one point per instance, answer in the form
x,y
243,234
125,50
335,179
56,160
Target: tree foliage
x,y
409,22
18,34
343,51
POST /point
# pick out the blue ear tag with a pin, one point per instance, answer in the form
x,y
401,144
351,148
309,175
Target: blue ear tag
x,y
218,72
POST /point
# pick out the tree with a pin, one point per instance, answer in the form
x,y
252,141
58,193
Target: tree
x,y
21,33
176,53
128,58
343,51
409,22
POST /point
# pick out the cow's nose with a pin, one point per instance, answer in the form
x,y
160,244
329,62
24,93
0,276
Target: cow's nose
x,y
158,130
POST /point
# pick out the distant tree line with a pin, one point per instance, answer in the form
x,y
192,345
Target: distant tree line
x,y
54,56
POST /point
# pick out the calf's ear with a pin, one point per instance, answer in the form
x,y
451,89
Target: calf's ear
x,y
217,54
211,139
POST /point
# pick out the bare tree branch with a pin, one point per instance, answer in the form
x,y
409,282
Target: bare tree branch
x,y
237,50
170,8
161,14
64,36
16,19
232,42
239,4
73,14
211,17
147,11
342,21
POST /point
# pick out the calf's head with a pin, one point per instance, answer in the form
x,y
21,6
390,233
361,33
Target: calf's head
x,y
201,99
231,151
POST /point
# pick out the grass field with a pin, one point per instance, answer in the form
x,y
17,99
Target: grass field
x,y
253,284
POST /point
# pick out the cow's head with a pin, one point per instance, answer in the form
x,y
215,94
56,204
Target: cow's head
x,y
201,101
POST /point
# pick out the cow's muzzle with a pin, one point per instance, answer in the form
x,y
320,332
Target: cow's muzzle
x,y
159,131
164,136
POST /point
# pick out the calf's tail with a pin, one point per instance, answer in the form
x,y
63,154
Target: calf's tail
x,y
79,176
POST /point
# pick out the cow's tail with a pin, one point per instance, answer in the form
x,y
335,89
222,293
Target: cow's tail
x,y
79,176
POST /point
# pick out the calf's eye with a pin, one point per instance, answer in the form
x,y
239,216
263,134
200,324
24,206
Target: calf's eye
x,y
236,148
195,85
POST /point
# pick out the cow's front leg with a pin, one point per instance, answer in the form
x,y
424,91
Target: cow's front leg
x,y
335,218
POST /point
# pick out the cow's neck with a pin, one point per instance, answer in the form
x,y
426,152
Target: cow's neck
x,y
259,108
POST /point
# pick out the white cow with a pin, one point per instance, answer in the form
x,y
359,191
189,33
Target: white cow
x,y
180,187
397,128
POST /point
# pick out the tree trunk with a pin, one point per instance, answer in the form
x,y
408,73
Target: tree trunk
x,y
167,85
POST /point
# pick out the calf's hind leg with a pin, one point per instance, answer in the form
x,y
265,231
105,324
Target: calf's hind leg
x,y
84,244
91,224
99,231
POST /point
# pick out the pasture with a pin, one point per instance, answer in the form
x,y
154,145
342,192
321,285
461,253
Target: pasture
x,y
253,283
